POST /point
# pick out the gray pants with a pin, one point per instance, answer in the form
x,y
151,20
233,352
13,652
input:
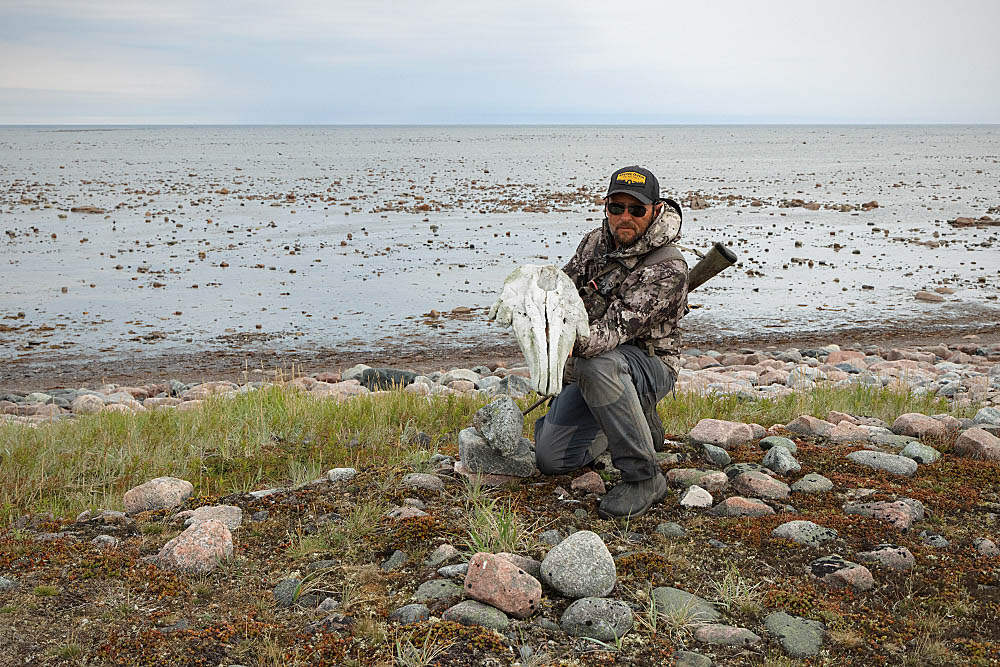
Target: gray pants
x,y
605,408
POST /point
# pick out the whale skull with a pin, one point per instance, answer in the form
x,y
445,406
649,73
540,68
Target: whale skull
x,y
547,314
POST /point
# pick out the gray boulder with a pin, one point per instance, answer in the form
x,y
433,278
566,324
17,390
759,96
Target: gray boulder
x,y
780,460
799,637
804,532
920,453
473,612
890,463
812,483
675,602
580,566
599,618
479,456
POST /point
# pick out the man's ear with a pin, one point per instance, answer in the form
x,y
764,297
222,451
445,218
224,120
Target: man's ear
x,y
657,209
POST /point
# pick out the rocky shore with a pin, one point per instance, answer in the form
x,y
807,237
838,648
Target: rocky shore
x,y
833,537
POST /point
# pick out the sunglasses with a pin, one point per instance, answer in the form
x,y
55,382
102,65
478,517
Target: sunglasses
x,y
635,210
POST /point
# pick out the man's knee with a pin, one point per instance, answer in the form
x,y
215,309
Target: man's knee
x,y
603,374
549,457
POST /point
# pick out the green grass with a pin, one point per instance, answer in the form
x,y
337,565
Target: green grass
x,y
493,524
279,437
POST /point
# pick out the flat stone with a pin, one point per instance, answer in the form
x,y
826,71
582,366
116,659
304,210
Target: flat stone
x,y
677,602
423,480
695,496
778,441
739,506
920,453
670,529
977,443
781,461
473,612
411,613
580,566
456,571
712,481
500,423
812,483
848,432
230,515
437,589
599,618
759,485
917,425
799,637
892,556
496,581
161,493
840,573
721,433
198,549
725,635
808,425
899,513
934,540
691,659
890,463
804,532
341,474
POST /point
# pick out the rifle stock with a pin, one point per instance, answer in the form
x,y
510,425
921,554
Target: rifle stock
x,y
716,260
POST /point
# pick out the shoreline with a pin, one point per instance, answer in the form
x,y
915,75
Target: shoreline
x,y
241,364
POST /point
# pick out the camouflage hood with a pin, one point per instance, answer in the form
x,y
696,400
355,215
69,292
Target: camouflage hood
x,y
666,228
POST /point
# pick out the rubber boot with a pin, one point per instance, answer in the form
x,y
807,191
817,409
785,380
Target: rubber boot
x,y
633,499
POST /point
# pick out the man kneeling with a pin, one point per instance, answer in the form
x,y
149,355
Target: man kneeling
x,y
633,282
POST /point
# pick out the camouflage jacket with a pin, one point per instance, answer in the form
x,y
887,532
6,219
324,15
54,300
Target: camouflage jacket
x,y
639,302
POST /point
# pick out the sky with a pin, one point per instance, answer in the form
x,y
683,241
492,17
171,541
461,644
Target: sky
x,y
502,61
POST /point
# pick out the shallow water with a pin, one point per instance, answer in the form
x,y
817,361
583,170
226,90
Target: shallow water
x,y
438,216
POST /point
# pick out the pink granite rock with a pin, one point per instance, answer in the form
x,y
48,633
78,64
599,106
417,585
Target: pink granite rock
x,y
712,481
400,513
840,573
773,376
161,493
917,425
230,515
836,417
808,425
759,485
165,402
978,443
198,549
87,404
900,514
739,506
847,432
892,556
501,584
589,482
721,433
838,356
189,405
529,565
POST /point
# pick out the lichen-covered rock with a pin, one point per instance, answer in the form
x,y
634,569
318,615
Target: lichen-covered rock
x,y
759,485
599,618
162,493
740,506
900,513
890,463
473,612
799,637
480,457
812,483
781,461
809,425
804,532
892,556
230,515
580,566
500,422
725,635
198,549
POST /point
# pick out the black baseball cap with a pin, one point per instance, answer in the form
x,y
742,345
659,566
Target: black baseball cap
x,y
635,181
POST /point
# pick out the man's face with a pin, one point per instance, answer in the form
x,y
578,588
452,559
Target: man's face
x,y
626,228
